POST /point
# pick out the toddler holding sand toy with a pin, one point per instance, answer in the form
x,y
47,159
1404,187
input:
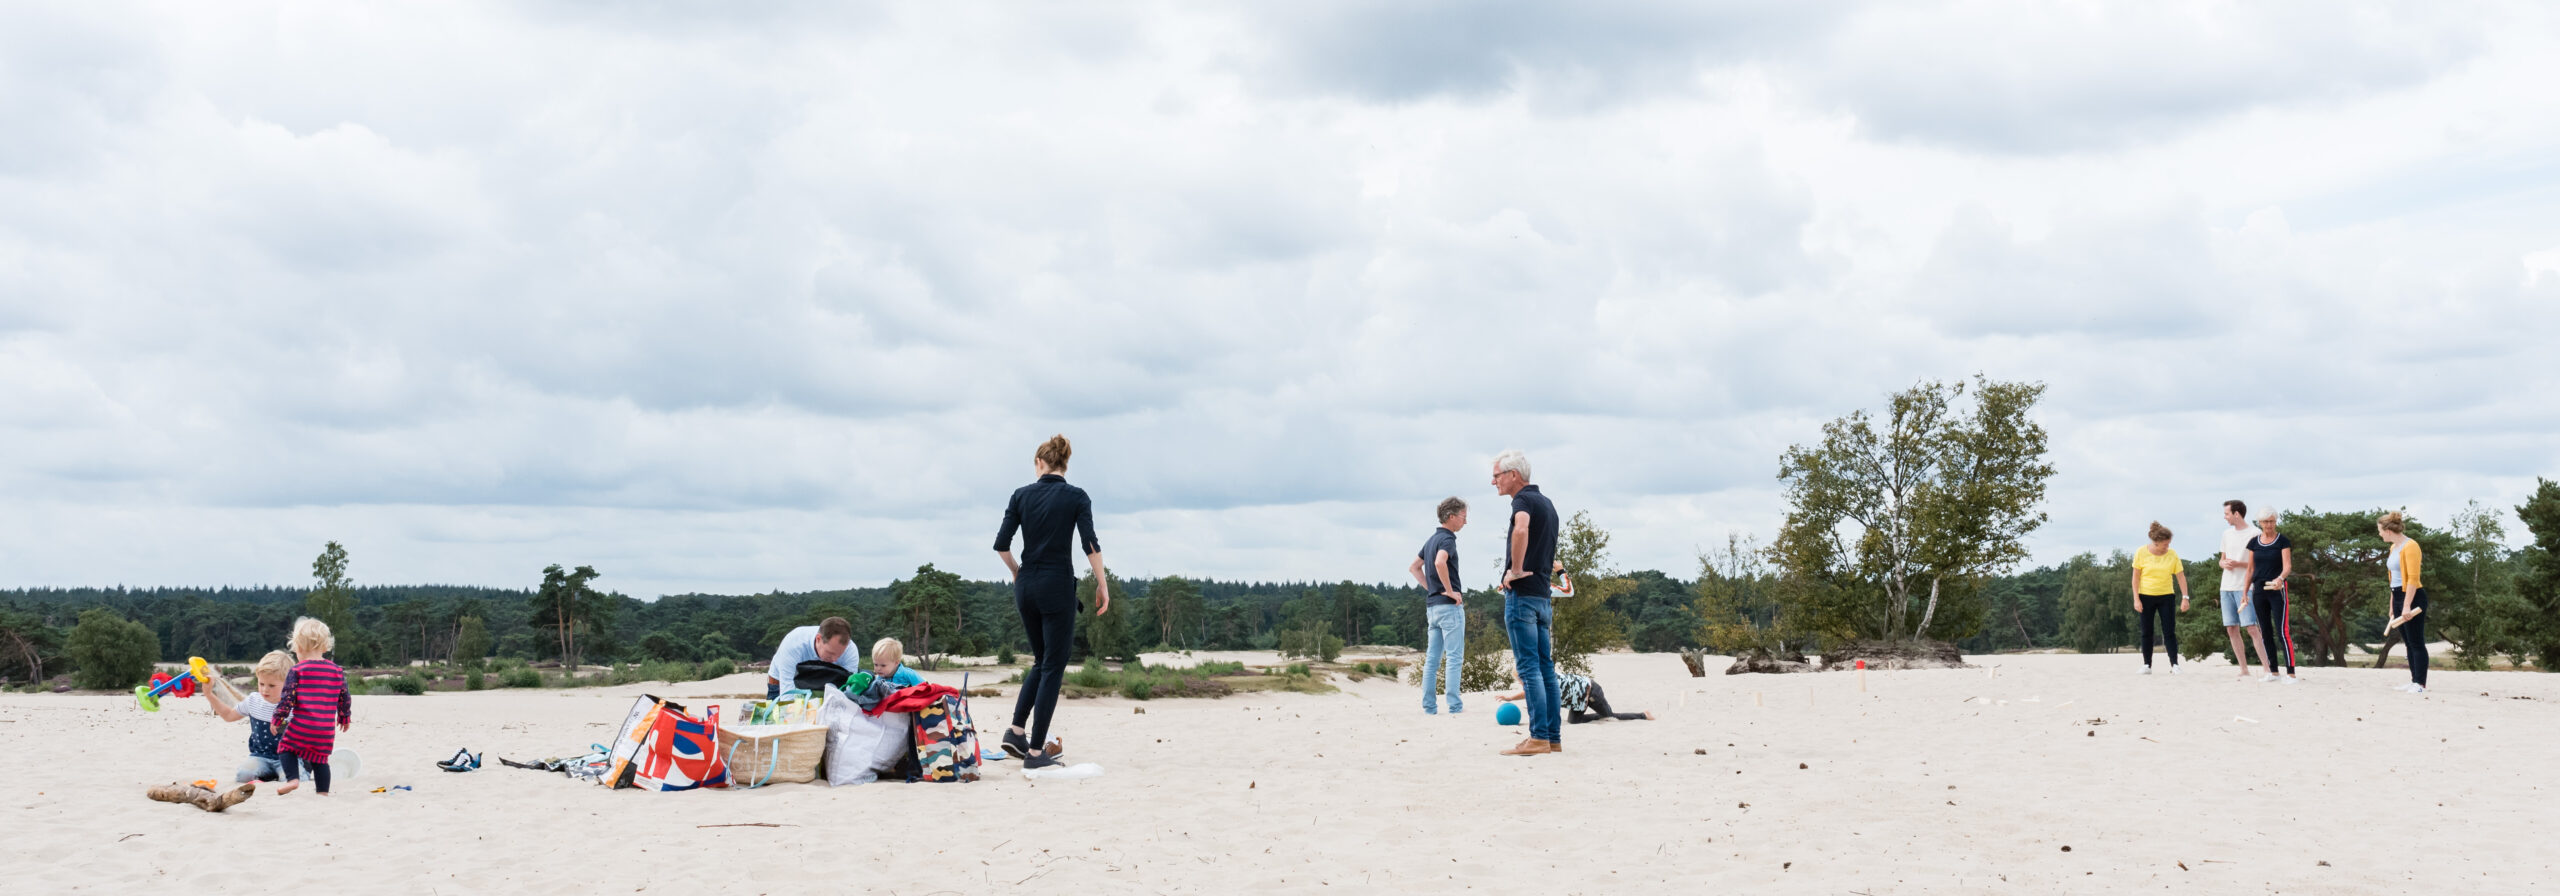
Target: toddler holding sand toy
x,y
314,697
260,709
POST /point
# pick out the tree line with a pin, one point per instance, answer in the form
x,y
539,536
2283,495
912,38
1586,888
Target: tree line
x,y
1907,524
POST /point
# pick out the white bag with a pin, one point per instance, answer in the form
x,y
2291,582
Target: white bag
x,y
859,746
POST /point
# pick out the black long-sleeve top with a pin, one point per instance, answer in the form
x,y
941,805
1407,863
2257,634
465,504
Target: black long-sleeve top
x,y
1044,511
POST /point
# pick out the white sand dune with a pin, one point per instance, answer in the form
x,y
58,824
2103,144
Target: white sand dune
x,y
2338,785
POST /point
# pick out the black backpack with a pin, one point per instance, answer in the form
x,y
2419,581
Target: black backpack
x,y
815,675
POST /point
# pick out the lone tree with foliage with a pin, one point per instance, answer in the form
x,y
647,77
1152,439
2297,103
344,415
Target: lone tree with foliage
x,y
565,603
932,595
1178,609
1911,512
1584,623
1739,611
332,599
2093,602
1105,635
471,642
2538,575
112,651
2337,575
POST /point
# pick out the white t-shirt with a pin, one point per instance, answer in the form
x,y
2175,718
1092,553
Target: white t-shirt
x,y
2235,546
256,707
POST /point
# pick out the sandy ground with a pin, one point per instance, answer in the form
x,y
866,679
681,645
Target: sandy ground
x,y
1793,784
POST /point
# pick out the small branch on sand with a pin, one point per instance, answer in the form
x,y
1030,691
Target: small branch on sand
x,y
747,824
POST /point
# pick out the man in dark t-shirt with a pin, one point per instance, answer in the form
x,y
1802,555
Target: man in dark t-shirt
x,y
1528,613
1444,608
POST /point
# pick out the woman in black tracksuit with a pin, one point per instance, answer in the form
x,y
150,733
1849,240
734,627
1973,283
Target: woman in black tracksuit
x,y
1048,513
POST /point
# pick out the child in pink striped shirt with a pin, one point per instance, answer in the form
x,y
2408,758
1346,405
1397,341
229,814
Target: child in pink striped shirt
x,y
315,699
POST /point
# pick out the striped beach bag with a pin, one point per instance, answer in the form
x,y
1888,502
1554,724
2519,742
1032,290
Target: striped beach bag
x,y
946,741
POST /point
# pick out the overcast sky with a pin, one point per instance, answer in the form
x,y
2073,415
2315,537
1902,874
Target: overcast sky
x,y
733,297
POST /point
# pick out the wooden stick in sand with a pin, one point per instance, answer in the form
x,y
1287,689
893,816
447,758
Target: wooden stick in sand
x,y
1862,676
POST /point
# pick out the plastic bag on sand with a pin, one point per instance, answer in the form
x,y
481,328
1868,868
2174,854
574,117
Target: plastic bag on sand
x,y
1064,772
860,747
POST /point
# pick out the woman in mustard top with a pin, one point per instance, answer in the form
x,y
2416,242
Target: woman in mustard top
x,y
2408,597
2156,569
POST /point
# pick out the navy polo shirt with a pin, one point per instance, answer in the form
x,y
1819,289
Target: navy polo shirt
x,y
1541,554
1441,540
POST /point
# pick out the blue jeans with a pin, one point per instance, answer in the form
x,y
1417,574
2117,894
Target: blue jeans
x,y
1446,646
1531,622
258,768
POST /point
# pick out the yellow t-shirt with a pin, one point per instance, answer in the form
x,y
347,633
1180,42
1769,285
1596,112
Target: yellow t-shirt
x,y
2158,570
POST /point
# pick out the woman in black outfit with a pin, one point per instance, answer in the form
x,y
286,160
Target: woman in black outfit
x,y
1044,590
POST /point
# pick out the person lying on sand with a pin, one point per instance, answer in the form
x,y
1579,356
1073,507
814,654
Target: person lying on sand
x,y
1583,701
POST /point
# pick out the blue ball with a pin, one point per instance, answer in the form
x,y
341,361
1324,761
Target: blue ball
x,y
1507,714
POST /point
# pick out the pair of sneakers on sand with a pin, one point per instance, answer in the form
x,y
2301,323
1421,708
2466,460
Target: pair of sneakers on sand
x,y
203,797
1533,747
1017,744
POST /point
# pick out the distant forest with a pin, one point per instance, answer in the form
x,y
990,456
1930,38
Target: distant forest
x,y
1906,523
395,624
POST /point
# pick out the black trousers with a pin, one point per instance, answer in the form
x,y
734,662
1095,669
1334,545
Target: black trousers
x,y
2274,627
2163,609
1598,705
1049,623
2413,634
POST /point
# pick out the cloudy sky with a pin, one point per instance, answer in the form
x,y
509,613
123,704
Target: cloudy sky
x,y
782,296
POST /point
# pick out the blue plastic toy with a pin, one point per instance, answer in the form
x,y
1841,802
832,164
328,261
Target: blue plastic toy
x,y
1507,714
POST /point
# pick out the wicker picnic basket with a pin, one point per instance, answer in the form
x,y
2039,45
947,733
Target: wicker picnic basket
x,y
772,754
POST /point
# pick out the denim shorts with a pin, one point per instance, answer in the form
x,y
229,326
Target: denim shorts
x,y
2236,613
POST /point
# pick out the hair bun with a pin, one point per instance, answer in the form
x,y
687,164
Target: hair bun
x,y
1054,452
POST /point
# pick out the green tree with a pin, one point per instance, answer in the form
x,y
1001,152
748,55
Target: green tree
x,y
1914,516
567,605
1355,609
332,599
2537,576
471,642
933,595
2096,605
25,642
1178,611
1584,623
2471,588
1106,635
1658,612
111,651
1737,603
2338,587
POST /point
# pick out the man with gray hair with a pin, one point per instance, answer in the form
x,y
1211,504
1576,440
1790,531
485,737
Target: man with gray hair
x,y
1444,608
1528,609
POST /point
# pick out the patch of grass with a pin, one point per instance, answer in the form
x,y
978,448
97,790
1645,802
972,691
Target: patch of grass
x,y
520,677
1093,675
404,685
475,682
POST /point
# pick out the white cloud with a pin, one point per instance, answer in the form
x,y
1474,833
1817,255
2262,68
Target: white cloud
x,y
784,298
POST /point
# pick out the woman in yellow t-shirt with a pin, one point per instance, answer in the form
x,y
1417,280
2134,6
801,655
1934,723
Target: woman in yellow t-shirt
x,y
2155,570
2408,596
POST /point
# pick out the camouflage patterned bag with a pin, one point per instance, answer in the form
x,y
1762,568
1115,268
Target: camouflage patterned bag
x,y
946,741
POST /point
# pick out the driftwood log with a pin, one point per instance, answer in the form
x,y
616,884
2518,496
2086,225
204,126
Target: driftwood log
x,y
1764,661
1894,655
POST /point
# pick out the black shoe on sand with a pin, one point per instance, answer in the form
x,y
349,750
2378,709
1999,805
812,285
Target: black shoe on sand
x,y
1039,760
1017,744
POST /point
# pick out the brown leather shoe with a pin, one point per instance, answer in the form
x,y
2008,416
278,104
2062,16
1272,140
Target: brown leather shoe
x,y
1555,746
1530,747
